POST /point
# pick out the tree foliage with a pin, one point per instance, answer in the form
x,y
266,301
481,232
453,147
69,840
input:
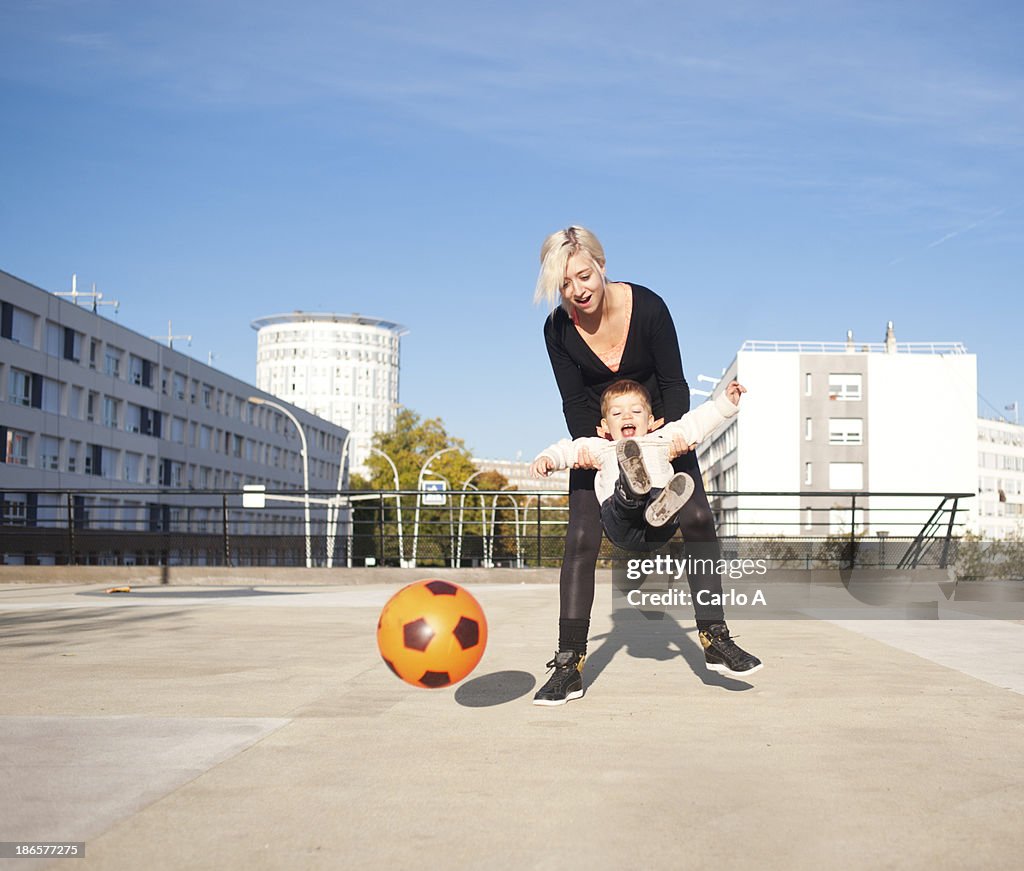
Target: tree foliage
x,y
409,445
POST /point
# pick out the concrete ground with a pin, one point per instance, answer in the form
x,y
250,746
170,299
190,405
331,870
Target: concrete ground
x,y
257,727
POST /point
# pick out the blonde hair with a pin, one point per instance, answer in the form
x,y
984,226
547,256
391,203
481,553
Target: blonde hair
x,y
625,387
554,257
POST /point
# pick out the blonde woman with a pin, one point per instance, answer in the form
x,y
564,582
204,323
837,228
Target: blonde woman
x,y
601,331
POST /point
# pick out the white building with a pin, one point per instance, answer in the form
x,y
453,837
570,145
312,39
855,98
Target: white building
x,y
517,473
86,403
844,418
999,509
343,368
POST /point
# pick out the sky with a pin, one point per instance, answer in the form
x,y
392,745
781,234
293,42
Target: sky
x,y
784,171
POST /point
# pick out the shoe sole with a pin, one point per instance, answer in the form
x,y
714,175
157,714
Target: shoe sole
x,y
724,669
638,482
551,703
670,501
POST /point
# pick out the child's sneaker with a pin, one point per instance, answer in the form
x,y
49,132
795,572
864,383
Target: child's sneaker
x,y
566,683
723,655
632,471
664,507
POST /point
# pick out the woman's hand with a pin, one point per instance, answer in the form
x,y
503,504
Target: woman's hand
x,y
585,460
542,467
678,447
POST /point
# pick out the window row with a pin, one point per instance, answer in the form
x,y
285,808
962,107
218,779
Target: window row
x,y
841,476
841,430
842,386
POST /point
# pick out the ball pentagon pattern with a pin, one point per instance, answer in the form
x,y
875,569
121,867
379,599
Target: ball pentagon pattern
x,y
432,633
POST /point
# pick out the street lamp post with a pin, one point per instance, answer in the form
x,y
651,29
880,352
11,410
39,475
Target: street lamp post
x,y
334,509
419,496
462,505
398,504
259,400
494,524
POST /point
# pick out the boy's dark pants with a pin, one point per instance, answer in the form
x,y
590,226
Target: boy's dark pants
x,y
624,523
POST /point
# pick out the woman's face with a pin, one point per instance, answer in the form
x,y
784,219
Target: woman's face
x,y
584,284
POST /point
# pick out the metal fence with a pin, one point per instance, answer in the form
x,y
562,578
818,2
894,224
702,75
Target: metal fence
x,y
507,528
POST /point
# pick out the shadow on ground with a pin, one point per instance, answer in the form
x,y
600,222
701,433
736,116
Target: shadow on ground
x,y
59,628
653,635
497,688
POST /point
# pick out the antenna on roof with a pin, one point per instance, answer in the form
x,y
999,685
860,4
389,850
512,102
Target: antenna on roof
x,y
89,295
170,337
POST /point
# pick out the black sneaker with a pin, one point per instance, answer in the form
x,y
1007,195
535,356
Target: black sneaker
x,y
632,471
664,507
566,683
722,654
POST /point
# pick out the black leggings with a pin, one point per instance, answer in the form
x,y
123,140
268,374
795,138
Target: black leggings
x,y
583,541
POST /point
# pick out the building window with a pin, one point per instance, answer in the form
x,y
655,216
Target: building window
x,y
15,509
808,428
54,339
72,345
93,459
178,381
50,396
808,474
73,455
845,386
111,412
49,453
19,387
132,464
140,371
807,384
16,447
112,362
133,418
846,476
17,325
178,430
845,431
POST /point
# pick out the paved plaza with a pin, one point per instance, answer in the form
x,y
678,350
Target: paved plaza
x,y
245,726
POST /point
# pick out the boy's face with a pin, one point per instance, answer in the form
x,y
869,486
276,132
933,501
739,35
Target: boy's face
x,y
627,417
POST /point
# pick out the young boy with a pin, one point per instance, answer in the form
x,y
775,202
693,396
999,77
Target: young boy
x,y
639,494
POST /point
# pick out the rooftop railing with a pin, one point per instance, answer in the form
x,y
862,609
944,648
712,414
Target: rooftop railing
x,y
506,528
855,347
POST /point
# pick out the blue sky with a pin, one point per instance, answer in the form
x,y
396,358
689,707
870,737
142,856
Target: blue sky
x,y
775,171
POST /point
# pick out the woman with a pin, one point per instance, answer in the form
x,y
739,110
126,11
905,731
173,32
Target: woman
x,y
601,332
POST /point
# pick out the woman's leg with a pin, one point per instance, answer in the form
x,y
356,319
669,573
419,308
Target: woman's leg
x,y
697,524
576,588
582,543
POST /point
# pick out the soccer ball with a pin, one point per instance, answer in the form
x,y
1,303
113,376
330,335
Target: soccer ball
x,y
432,633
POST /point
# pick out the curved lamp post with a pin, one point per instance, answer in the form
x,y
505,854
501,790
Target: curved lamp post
x,y
494,524
419,497
462,505
259,400
334,509
398,503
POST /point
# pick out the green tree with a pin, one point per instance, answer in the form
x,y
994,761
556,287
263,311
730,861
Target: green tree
x,y
409,445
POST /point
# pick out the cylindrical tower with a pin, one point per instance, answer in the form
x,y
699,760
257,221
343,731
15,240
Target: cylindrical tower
x,y
341,367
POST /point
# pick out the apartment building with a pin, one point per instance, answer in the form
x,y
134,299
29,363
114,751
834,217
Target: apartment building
x,y
824,420
86,403
341,367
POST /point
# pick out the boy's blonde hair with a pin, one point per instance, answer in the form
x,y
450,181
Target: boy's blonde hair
x,y
554,257
624,387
